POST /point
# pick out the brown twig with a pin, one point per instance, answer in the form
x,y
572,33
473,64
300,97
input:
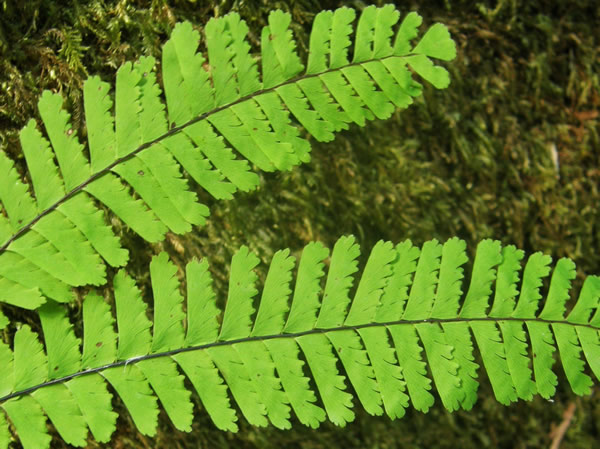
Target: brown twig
x,y
558,433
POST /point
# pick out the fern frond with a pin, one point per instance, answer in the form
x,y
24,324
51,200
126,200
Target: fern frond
x,y
392,334
216,120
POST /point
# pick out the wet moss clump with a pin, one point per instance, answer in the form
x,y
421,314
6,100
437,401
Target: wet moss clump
x,y
511,151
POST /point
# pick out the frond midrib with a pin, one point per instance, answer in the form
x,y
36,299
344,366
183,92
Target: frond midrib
x,y
314,331
174,130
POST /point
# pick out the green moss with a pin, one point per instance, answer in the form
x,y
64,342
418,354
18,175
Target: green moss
x,y
509,151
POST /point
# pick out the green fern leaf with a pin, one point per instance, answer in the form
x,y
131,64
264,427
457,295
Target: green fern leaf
x,y
4,432
202,324
99,340
306,300
270,318
168,316
134,335
29,420
407,329
215,118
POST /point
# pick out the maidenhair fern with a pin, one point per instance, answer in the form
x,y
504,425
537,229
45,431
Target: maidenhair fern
x,y
400,329
300,348
214,103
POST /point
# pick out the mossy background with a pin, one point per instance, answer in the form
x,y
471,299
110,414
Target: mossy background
x,y
511,151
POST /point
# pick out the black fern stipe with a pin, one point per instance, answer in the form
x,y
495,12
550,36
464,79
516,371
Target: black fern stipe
x,y
401,328
215,118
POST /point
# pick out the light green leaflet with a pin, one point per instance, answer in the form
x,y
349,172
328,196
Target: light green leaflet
x,y
216,118
298,344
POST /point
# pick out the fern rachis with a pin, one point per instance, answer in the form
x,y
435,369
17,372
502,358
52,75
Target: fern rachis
x,y
408,327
